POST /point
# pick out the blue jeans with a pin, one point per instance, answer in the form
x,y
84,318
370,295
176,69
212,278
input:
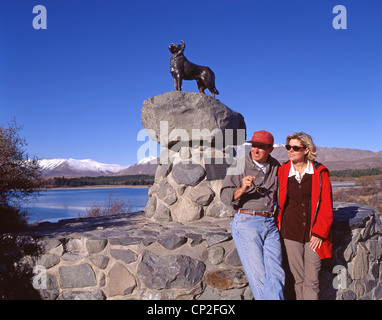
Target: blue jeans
x,y
258,244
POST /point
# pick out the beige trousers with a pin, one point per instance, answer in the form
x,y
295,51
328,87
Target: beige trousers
x,y
305,265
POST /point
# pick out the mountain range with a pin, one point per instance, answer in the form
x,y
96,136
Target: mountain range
x,y
87,167
339,158
76,168
333,158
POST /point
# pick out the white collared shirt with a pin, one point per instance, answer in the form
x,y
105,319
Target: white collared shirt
x,y
262,166
294,172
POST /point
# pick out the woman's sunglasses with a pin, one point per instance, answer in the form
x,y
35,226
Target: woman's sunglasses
x,y
295,148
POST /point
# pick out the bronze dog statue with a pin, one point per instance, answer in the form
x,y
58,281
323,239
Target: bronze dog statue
x,y
182,69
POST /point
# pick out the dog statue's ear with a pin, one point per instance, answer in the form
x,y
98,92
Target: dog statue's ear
x,y
183,44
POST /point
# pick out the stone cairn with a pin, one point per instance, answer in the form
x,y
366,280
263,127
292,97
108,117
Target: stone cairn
x,y
181,246
193,129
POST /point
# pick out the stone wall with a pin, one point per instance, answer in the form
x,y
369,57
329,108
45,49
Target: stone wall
x,y
357,254
134,257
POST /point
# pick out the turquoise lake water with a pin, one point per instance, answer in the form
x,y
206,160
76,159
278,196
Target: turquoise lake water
x,y
54,205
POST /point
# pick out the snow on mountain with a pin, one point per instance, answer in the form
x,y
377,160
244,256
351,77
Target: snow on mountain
x,y
50,164
73,167
146,165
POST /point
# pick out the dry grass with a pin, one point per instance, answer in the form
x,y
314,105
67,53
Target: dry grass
x,y
112,206
368,190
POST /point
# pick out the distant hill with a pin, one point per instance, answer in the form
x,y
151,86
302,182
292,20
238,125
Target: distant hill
x,y
333,158
339,158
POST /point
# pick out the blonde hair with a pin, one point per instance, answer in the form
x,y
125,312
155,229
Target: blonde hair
x,y
307,142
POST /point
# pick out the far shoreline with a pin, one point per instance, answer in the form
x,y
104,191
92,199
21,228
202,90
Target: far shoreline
x,y
336,184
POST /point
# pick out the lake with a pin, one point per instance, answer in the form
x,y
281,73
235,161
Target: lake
x,y
56,204
53,205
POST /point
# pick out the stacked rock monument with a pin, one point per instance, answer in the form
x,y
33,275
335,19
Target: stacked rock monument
x,y
197,133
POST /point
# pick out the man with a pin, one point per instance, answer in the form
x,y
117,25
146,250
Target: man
x,y
252,193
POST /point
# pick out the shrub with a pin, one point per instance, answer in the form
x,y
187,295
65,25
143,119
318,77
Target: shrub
x,y
112,206
20,178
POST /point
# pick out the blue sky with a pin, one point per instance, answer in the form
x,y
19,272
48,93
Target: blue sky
x,y
77,87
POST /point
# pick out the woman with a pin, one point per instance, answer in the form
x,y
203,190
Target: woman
x,y
305,214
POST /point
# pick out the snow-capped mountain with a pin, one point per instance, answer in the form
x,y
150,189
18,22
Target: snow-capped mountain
x,y
76,168
146,165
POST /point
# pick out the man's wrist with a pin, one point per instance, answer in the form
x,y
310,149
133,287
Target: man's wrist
x,y
238,193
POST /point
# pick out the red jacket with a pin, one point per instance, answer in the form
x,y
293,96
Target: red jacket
x,y
321,204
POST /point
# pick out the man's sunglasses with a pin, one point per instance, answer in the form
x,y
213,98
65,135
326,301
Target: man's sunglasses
x,y
295,148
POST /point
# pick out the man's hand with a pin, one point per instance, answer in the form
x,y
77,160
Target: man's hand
x,y
246,183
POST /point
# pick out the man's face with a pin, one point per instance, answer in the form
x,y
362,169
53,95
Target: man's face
x,y
260,152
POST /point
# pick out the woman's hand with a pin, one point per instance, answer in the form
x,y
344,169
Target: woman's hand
x,y
315,243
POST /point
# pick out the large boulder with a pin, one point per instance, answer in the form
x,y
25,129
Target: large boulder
x,y
172,116
169,272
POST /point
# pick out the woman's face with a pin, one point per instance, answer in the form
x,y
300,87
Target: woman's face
x,y
297,156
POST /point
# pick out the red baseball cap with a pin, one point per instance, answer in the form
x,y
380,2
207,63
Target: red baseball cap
x,y
262,137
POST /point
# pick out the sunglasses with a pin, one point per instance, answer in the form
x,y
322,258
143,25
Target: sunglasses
x,y
261,191
295,148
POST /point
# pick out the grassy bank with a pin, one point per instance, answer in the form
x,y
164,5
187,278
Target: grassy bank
x,y
367,190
